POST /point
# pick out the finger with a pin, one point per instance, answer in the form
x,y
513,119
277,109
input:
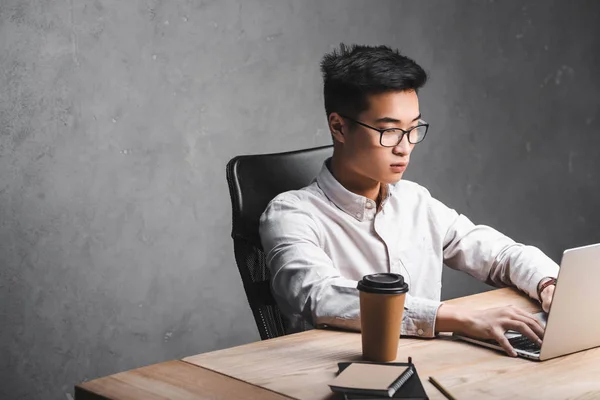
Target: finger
x,y
535,325
503,341
530,320
523,328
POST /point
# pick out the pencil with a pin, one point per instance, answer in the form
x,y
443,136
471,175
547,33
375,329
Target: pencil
x,y
441,389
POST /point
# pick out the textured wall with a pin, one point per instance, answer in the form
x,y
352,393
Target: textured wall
x,y
117,119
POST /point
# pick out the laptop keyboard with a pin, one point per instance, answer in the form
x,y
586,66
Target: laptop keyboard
x,y
526,344
520,343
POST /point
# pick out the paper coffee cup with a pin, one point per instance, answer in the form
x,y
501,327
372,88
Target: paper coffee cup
x,y
381,307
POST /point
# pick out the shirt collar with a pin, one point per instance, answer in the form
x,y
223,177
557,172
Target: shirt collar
x,y
358,207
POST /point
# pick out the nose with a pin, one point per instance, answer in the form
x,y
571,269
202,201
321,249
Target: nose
x,y
403,148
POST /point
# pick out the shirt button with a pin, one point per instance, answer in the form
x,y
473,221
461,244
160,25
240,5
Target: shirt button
x,y
420,332
369,204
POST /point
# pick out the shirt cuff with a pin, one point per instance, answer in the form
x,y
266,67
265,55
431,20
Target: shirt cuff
x,y
419,317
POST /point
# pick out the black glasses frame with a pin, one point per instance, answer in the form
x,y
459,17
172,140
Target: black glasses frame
x,y
382,131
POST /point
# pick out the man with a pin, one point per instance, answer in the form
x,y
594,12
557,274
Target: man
x,y
358,217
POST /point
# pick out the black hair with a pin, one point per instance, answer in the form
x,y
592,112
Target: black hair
x,y
352,73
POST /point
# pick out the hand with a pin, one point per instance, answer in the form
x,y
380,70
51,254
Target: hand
x,y
546,297
492,324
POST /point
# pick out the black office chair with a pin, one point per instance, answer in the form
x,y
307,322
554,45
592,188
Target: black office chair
x,y
254,180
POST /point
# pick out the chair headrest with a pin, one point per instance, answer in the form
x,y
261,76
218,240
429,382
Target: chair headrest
x,y
254,180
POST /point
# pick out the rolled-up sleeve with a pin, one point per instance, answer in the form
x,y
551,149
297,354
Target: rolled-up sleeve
x,y
306,283
489,255
419,316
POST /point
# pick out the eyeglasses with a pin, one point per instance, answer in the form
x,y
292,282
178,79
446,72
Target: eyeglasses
x,y
392,137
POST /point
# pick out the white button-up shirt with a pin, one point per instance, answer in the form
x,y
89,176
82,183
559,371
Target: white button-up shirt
x,y
320,240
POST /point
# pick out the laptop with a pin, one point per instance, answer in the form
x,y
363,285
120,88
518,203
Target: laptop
x,y
573,322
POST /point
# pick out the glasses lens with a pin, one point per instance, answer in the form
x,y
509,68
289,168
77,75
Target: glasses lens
x,y
418,134
391,137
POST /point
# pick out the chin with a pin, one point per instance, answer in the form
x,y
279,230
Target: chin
x,y
392,179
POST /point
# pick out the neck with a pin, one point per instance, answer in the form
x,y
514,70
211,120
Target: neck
x,y
354,182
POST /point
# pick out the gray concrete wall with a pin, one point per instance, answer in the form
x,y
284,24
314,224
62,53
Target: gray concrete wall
x,y
117,119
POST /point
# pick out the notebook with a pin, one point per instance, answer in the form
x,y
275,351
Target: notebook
x,y
411,389
372,379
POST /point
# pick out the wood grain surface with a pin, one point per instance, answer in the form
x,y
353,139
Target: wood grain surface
x,y
301,365
174,380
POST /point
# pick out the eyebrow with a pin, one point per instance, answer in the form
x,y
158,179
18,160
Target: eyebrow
x,y
396,121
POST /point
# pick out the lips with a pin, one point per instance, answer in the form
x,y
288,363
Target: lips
x,y
398,167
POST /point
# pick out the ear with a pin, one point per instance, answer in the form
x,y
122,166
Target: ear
x,y
336,125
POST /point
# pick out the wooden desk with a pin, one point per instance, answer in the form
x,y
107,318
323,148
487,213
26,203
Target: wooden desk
x,y
171,380
300,366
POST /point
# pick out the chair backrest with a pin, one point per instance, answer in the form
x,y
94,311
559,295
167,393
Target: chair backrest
x,y
254,180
